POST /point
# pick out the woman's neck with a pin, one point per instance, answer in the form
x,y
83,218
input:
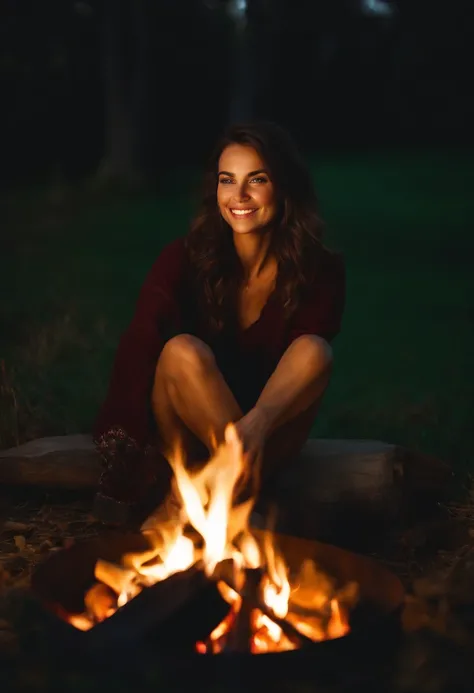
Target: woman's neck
x,y
252,250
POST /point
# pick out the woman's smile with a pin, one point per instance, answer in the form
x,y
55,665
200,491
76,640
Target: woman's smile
x,y
243,212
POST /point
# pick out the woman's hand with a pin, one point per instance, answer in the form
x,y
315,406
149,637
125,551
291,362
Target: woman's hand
x,y
252,430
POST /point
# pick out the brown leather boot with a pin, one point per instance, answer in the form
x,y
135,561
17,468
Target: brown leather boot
x,y
133,481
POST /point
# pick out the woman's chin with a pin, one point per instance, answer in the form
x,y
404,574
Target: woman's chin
x,y
242,231
249,230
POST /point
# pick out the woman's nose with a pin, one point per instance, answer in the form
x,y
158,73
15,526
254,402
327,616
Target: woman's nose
x,y
241,192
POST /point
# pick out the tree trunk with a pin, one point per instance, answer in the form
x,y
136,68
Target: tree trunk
x,y
243,92
140,83
120,163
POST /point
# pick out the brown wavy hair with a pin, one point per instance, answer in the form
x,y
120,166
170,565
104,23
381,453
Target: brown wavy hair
x,y
296,240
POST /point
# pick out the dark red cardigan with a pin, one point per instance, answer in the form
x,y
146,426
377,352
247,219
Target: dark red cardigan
x,y
246,357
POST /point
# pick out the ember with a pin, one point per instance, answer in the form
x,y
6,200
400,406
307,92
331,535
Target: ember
x,y
270,609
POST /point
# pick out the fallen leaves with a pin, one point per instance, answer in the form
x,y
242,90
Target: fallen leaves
x,y
4,578
12,526
32,530
45,546
20,542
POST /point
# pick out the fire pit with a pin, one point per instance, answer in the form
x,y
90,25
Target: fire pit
x,y
198,582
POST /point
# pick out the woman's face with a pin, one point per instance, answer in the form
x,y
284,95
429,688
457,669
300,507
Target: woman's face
x,y
245,192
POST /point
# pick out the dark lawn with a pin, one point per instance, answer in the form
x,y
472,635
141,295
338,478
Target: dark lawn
x,y
404,360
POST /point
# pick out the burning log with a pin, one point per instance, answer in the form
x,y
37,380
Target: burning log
x,y
251,602
150,608
225,572
294,635
200,612
241,635
100,602
205,541
114,576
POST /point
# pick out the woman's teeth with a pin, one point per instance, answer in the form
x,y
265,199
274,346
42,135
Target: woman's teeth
x,y
242,212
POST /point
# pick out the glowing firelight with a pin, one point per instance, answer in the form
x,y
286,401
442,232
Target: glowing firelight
x,y
307,603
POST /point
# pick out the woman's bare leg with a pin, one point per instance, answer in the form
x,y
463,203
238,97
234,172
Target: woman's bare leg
x,y
315,359
190,398
287,441
191,401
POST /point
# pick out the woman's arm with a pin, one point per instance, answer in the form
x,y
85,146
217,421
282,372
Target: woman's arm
x,y
321,313
126,405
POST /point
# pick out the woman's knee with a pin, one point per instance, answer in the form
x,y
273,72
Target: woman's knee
x,y
315,352
185,355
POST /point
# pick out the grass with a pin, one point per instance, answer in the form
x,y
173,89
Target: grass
x,y
404,360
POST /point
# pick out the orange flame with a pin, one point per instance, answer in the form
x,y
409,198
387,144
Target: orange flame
x,y
308,602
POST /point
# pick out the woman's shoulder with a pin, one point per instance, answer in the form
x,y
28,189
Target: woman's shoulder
x,y
175,251
329,277
171,259
169,270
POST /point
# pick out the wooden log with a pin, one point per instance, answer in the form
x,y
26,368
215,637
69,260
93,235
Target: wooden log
x,y
70,462
328,472
372,471
352,491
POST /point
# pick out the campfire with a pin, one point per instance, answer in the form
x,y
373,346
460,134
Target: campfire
x,y
270,606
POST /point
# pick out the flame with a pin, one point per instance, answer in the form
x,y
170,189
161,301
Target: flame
x,y
81,621
268,636
252,577
250,551
276,586
212,522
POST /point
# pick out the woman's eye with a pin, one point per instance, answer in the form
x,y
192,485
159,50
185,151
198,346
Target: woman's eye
x,y
257,179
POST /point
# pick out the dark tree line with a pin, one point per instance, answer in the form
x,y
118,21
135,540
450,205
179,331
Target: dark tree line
x,y
128,87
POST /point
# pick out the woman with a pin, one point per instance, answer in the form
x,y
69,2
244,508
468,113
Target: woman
x,y
233,323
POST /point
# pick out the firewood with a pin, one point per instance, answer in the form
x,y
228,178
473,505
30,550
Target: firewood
x,y
250,601
153,606
240,637
225,572
114,576
292,633
100,602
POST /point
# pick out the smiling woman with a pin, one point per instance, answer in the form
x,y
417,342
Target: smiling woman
x,y
247,202
253,300
246,198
